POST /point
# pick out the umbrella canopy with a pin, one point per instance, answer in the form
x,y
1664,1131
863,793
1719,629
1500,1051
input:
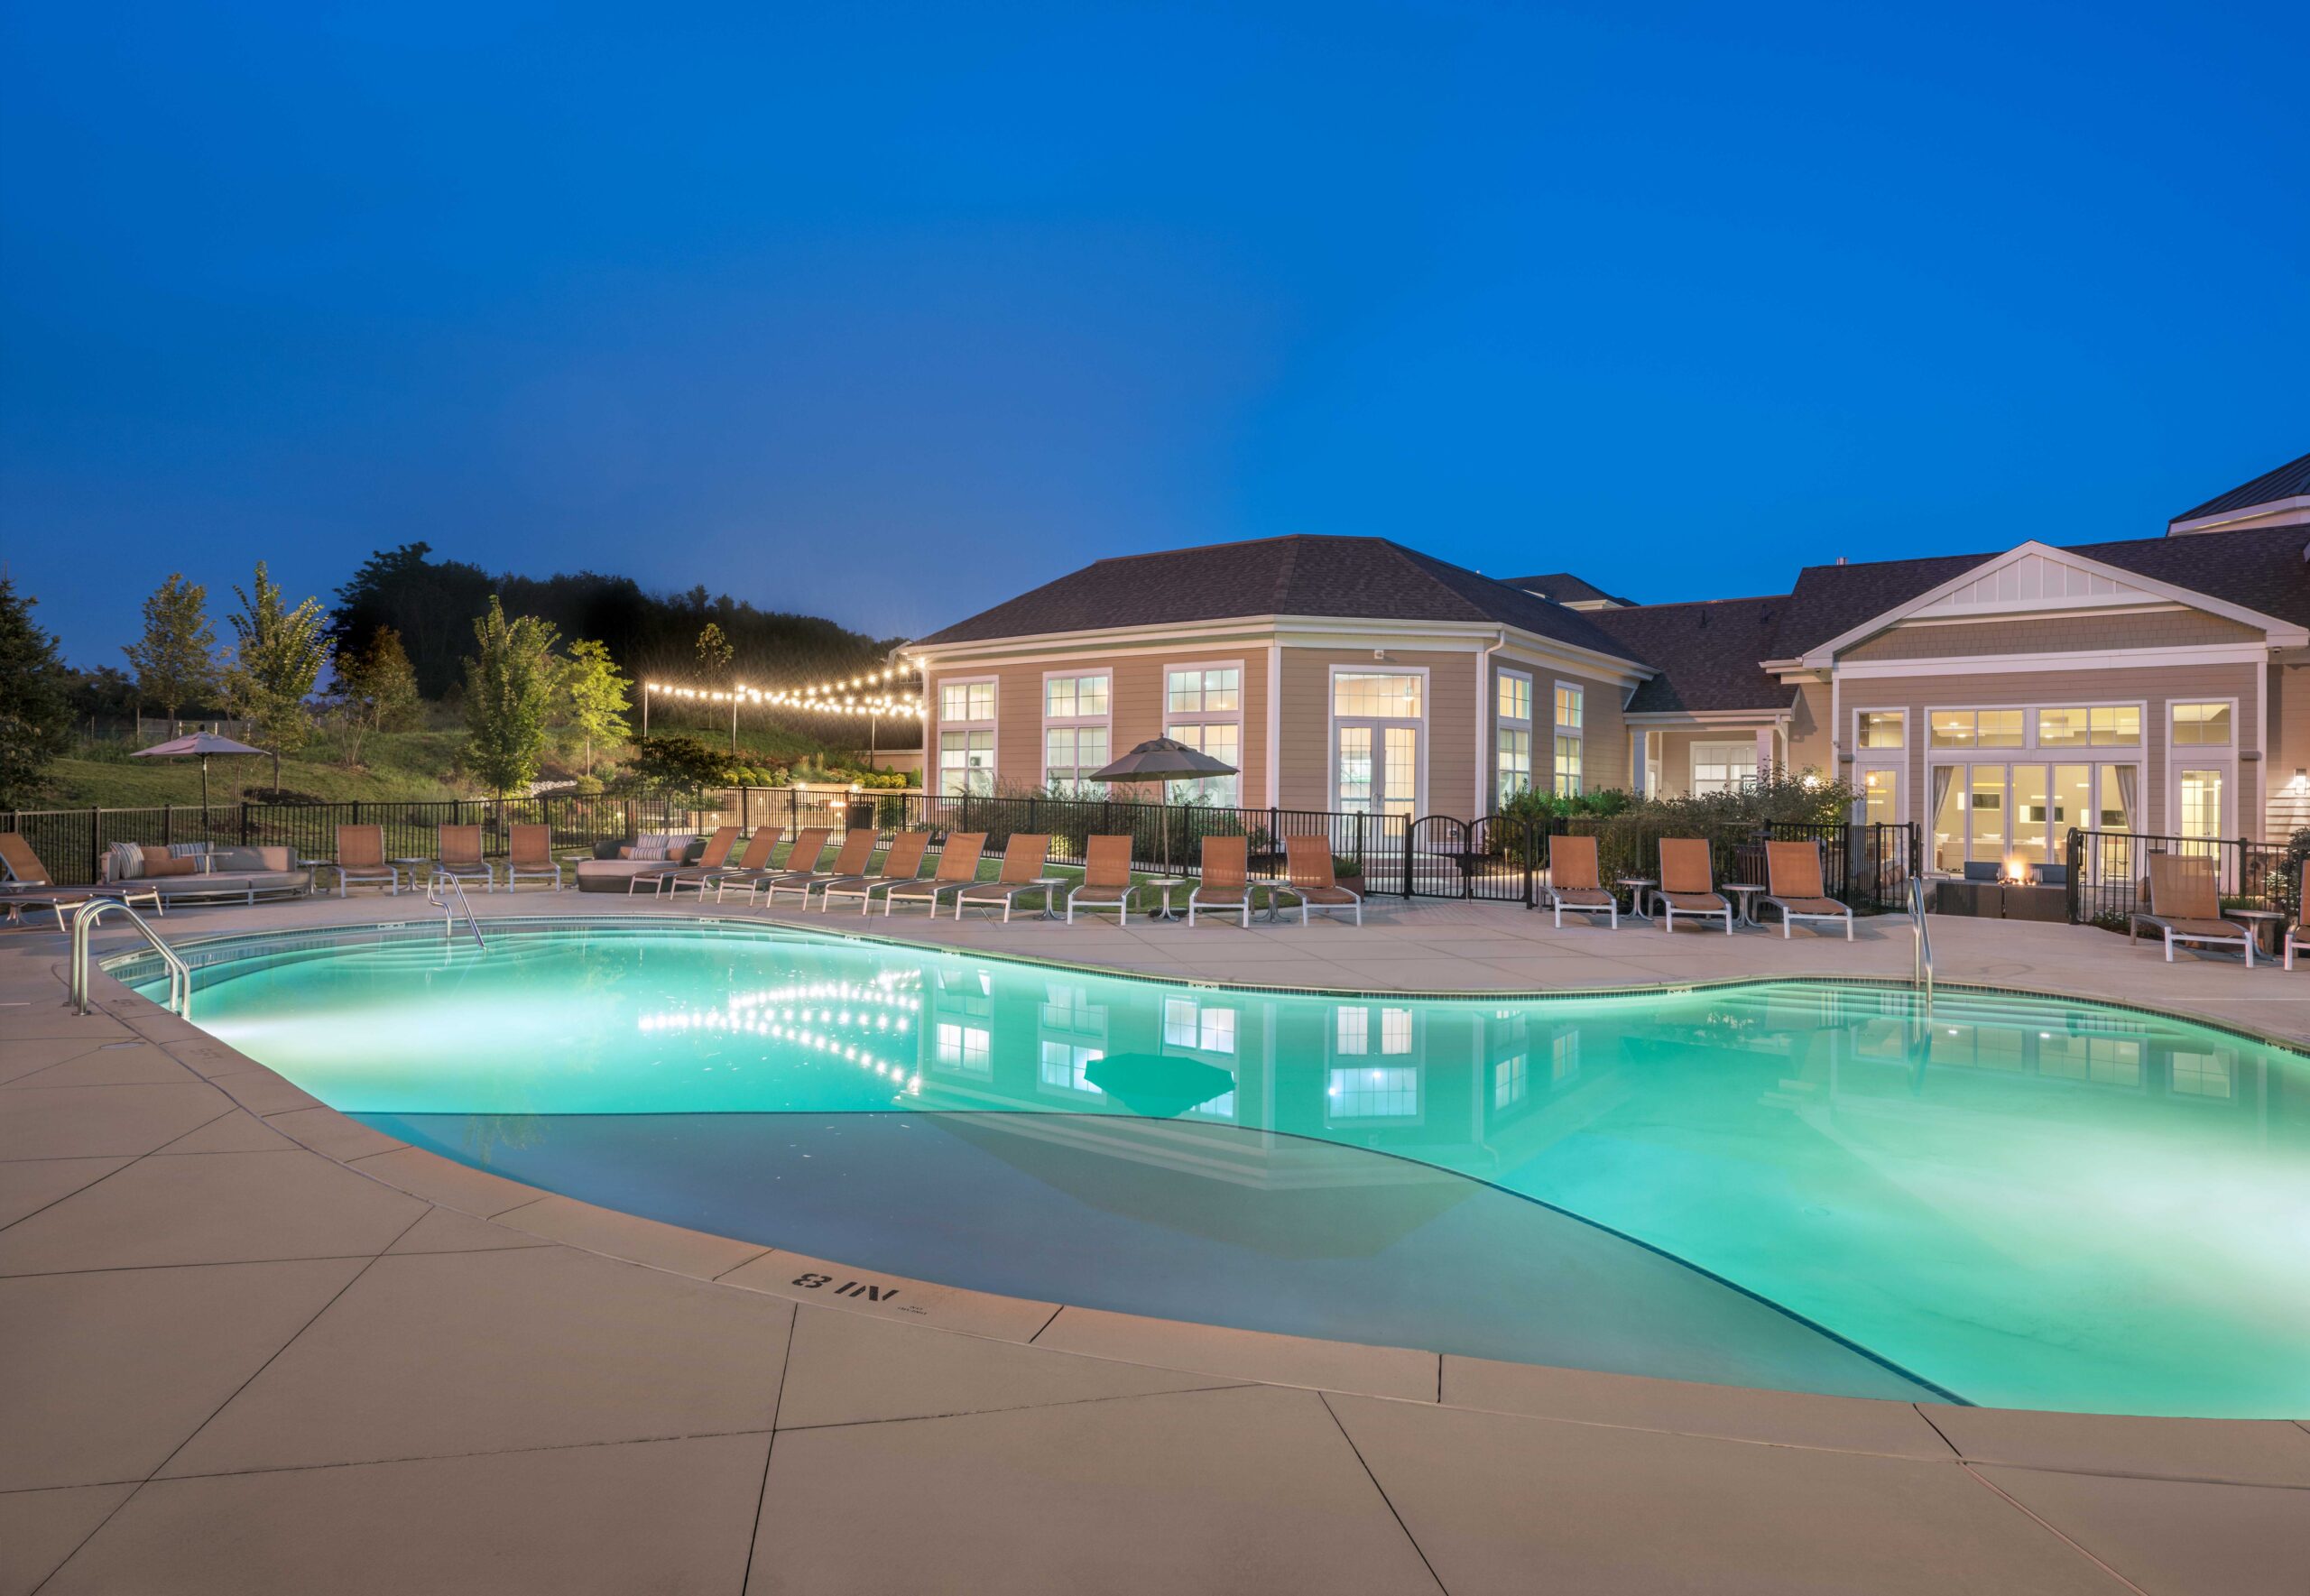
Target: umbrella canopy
x,y
200,745
1162,758
1159,1087
200,742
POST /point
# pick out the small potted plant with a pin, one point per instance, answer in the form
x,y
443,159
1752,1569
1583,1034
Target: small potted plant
x,y
1347,870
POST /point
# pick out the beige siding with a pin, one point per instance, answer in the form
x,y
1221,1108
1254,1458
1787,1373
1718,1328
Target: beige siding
x,y
1604,745
1136,700
1810,735
2026,634
1447,736
2288,723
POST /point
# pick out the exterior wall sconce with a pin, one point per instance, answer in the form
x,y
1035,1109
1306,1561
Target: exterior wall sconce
x,y
2301,782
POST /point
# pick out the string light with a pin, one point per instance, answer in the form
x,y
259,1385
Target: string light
x,y
869,693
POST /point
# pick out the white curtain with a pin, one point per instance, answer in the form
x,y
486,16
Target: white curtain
x,y
2132,819
1943,775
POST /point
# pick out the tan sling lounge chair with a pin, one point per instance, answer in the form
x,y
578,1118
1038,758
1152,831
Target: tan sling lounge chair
x,y
673,872
753,865
1575,882
361,857
1226,888
958,869
529,851
857,848
1308,866
2297,934
459,856
1025,857
1106,878
30,886
900,862
2185,906
1688,884
1793,886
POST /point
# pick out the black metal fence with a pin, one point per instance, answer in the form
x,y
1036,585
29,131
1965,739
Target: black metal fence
x,y
71,843
2109,872
1504,858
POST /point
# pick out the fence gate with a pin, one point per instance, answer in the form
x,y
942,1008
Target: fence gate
x,y
1487,859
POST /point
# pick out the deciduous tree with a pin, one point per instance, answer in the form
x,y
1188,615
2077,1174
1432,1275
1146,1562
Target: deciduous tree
x,y
175,659
277,658
35,720
510,685
598,693
376,689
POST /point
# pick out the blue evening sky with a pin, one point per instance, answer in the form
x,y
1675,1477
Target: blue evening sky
x,y
890,313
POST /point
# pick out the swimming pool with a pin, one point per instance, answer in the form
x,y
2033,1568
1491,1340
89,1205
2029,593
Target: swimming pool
x,y
1805,1185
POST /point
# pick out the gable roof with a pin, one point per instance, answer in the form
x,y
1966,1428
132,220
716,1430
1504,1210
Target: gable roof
x,y
1707,653
2260,568
2289,480
1565,588
1358,578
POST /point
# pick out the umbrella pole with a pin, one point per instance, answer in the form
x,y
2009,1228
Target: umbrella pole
x,y
204,794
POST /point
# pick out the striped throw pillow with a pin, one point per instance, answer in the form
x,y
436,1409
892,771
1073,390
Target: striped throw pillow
x,y
124,862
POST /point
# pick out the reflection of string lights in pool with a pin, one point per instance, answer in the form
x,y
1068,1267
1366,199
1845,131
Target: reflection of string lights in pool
x,y
774,1014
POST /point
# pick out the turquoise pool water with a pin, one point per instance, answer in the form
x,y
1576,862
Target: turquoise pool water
x,y
2023,1203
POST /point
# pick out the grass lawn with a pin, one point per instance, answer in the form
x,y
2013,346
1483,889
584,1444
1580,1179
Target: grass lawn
x,y
395,765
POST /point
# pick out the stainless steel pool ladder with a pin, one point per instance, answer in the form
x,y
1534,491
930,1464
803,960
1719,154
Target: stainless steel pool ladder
x,y
1923,977
448,913
84,924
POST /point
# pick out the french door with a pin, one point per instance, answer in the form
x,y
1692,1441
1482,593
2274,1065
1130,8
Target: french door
x,y
1994,813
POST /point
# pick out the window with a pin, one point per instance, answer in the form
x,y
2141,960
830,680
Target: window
x,y
2201,725
1205,705
1880,796
2200,1074
1190,1024
2117,727
1724,766
966,738
1072,697
1564,1056
1883,728
964,1048
1352,1031
1075,731
1067,1067
966,701
1510,1079
1209,690
1975,728
1567,739
1375,742
2062,728
1513,741
1374,1094
2201,806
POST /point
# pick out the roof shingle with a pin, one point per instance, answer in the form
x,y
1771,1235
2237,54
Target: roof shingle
x,y
1358,578
2289,480
1566,588
1706,652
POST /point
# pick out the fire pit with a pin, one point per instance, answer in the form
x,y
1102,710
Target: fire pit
x,y
2015,889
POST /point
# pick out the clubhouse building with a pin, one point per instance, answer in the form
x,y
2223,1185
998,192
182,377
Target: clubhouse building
x,y
2158,684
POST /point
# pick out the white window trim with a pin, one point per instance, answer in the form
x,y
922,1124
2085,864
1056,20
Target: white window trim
x,y
1207,718
1863,754
936,785
1332,725
2200,757
1050,721
1579,733
1509,723
1866,760
2066,753
1693,759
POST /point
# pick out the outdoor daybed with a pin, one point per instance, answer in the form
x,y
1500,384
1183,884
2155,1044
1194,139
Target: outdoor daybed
x,y
206,872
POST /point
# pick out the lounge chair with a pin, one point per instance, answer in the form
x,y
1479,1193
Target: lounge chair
x,y
1688,884
459,856
30,886
752,866
849,860
958,869
1025,857
1307,867
802,860
2185,906
1576,882
1226,888
1106,879
716,856
361,857
901,860
529,851
2297,934
1793,886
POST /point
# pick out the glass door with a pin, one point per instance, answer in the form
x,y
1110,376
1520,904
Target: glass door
x,y
1376,743
2015,813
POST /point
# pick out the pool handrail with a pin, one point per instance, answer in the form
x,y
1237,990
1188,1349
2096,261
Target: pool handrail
x,y
84,920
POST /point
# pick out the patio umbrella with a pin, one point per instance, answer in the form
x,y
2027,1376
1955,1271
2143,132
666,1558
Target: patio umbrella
x,y
200,745
1163,761
1158,1086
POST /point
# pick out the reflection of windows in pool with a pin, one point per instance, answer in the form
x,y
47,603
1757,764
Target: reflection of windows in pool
x,y
1395,1031
1354,1030
1982,1046
1364,1093
1508,1082
1069,1007
964,1049
1064,1066
1189,1024
2200,1074
2103,1061
1564,1056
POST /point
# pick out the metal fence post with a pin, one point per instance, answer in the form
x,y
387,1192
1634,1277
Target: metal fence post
x,y
95,844
2074,852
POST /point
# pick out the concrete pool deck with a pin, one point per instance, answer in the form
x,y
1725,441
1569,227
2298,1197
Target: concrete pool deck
x,y
247,1344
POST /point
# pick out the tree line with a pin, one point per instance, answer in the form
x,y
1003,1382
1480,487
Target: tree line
x,y
405,628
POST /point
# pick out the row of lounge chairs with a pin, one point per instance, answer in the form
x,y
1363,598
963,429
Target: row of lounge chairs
x,y
1688,885
1226,887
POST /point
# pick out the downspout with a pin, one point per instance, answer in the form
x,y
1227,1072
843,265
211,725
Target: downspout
x,y
1485,746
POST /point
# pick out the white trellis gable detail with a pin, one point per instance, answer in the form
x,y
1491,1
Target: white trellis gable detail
x,y
2036,581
